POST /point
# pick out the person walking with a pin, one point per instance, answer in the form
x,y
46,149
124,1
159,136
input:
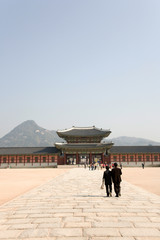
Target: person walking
x,y
116,177
107,178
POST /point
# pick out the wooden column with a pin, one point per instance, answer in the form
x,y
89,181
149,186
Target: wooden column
x,y
103,158
144,157
120,158
48,159
136,158
152,158
111,157
90,158
65,158
142,160
55,159
40,160
77,158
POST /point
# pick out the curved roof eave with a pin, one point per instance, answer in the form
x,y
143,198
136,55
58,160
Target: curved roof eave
x,y
83,132
81,145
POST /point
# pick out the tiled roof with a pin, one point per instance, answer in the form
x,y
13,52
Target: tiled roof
x,y
81,145
135,149
52,150
83,132
28,150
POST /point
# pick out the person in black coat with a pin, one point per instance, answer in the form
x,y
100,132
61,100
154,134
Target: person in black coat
x,y
107,177
116,177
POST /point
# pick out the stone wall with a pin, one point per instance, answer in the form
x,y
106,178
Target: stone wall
x,y
29,165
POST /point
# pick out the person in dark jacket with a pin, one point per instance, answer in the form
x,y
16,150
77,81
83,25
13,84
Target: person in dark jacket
x,y
107,177
116,177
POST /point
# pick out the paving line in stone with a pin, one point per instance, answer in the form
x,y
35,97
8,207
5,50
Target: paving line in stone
x,y
72,206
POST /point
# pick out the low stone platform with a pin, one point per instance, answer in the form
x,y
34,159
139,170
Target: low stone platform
x,y
73,207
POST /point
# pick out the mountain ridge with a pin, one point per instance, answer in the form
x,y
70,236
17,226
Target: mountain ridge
x,y
29,134
133,141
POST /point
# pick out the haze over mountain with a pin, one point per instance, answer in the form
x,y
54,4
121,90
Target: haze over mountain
x,y
29,134
132,141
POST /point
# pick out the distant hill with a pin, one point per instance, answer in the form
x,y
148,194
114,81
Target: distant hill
x,y
29,134
132,141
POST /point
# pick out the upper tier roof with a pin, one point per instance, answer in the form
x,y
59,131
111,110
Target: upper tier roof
x,y
83,132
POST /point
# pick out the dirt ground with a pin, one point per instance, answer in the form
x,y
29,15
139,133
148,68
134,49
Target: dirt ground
x,y
147,178
14,182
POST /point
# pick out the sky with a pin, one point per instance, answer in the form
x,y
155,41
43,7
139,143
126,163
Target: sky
x,y
81,63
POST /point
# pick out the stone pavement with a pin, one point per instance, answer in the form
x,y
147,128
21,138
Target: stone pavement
x,y
73,207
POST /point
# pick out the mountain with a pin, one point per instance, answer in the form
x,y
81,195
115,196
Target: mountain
x,y
132,141
29,134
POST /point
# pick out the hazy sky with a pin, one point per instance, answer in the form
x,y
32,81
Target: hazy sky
x,y
67,63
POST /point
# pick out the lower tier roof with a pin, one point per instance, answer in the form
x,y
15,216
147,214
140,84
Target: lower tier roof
x,y
28,150
54,150
82,146
134,149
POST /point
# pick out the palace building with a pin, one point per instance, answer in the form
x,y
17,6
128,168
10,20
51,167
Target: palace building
x,y
81,146
84,145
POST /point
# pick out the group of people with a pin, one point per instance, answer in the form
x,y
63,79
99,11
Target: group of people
x,y
94,166
114,176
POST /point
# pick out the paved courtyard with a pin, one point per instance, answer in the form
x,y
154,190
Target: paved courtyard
x,y
73,207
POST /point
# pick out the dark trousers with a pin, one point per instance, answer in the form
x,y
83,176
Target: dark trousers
x,y
108,189
117,188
